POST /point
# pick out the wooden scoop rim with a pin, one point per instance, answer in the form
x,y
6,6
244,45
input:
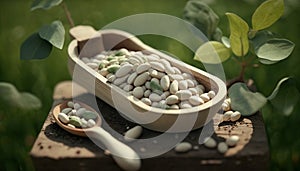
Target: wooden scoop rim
x,y
76,131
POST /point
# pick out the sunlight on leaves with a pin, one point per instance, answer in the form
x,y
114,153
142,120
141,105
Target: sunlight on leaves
x,y
267,14
225,40
238,34
12,98
54,33
275,49
44,4
212,52
245,101
285,96
34,47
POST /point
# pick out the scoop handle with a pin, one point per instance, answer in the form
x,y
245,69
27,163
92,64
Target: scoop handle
x,y
123,155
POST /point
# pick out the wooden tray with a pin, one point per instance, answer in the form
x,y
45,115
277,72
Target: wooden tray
x,y
133,109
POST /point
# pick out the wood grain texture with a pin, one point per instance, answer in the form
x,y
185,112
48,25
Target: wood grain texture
x,y
56,149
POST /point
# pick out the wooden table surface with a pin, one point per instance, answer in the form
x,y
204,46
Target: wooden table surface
x,y
56,149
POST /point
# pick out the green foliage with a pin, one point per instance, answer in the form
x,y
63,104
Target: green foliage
x,y
34,47
54,33
39,46
12,98
246,44
275,49
44,4
245,101
212,52
285,96
238,34
267,14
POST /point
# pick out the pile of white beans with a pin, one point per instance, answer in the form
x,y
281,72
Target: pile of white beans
x,y
149,78
76,116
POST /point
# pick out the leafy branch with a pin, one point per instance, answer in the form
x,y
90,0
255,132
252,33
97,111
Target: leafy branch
x,y
247,45
39,44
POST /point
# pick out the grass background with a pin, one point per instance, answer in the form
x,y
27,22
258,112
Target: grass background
x,y
18,129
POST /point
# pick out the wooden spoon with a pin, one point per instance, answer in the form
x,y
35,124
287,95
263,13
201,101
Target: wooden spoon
x,y
124,156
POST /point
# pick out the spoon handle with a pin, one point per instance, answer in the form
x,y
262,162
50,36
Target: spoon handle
x,y
123,155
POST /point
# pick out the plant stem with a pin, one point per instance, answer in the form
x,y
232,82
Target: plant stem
x,y
68,14
239,78
242,73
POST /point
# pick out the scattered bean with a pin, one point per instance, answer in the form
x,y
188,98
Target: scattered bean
x,y
227,115
210,142
183,147
235,116
232,140
133,133
222,147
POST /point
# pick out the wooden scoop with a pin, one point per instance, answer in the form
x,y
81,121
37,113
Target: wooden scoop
x,y
124,156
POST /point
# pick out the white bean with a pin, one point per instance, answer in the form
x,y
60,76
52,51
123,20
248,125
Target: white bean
x,y
142,68
227,115
91,123
172,99
222,147
147,101
183,147
235,116
141,79
124,70
174,87
131,78
190,83
183,94
165,82
204,97
154,97
120,80
232,140
133,133
147,93
63,118
210,142
211,94
195,100
157,66
182,85
138,92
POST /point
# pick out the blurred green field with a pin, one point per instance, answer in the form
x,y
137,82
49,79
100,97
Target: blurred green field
x,y
18,129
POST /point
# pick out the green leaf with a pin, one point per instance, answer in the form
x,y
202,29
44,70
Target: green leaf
x,y
267,14
54,33
34,47
12,98
285,96
238,35
44,4
261,37
275,49
212,52
245,101
225,40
